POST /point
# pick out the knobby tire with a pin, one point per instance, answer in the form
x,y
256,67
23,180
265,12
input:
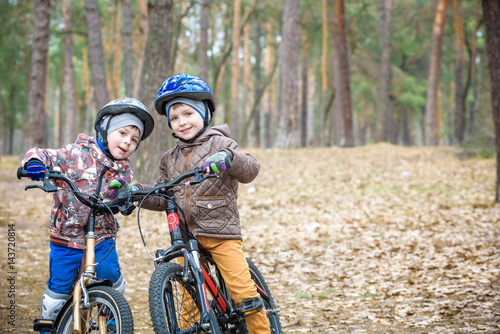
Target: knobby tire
x,y
104,301
171,312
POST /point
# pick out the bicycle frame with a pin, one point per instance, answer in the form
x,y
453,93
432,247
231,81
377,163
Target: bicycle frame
x,y
204,280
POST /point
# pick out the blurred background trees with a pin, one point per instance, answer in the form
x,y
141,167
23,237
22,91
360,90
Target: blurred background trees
x,y
285,74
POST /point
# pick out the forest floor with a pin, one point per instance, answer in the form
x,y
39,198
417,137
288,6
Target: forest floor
x,y
376,239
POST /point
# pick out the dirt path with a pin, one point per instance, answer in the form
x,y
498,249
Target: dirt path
x,y
378,239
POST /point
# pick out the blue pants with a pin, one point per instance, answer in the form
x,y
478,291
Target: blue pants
x,y
65,263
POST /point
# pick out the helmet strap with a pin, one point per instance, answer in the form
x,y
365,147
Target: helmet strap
x,y
104,139
192,139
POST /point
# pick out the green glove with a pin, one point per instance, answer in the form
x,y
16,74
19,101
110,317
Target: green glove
x,y
119,185
218,162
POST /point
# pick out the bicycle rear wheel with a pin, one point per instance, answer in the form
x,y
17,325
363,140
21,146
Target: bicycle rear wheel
x,y
173,304
109,312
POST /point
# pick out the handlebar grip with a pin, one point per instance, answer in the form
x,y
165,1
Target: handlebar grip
x,y
21,173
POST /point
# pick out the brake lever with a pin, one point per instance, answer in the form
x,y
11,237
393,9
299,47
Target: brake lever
x,y
47,186
201,177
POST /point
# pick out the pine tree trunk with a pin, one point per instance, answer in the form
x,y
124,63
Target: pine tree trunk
x,y
334,116
305,91
203,45
117,54
269,95
385,73
324,54
257,84
431,119
127,49
96,53
157,68
247,81
233,118
341,49
36,127
460,65
288,124
491,13
69,76
473,75
141,48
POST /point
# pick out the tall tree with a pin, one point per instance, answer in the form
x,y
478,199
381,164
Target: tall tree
x,y
288,110
268,98
141,47
233,118
157,68
431,106
36,134
345,81
491,13
460,66
473,70
333,119
69,76
257,82
305,81
247,81
117,51
324,54
127,49
96,53
203,45
384,91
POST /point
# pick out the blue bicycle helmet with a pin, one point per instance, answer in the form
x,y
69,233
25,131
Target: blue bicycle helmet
x,y
189,86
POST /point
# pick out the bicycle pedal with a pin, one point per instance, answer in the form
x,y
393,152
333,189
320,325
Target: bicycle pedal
x,y
251,306
43,325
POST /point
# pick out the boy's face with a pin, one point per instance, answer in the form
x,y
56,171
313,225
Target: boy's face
x,y
186,122
123,141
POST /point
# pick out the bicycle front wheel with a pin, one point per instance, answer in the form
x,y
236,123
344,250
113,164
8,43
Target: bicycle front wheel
x,y
109,312
265,293
173,304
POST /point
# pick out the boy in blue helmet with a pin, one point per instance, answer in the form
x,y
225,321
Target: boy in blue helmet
x,y
92,163
211,206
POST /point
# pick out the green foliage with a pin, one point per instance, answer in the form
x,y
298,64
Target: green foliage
x,y
412,23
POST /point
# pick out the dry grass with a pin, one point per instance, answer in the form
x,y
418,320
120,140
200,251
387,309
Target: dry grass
x,y
377,239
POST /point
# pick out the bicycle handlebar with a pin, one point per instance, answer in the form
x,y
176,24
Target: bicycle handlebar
x,y
199,175
122,200
53,173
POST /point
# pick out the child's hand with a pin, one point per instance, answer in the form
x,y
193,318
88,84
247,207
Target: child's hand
x,y
35,170
217,163
119,185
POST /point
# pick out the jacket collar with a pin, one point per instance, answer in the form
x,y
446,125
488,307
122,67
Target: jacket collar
x,y
91,144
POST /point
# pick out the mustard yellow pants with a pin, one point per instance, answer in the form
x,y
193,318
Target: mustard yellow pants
x,y
231,261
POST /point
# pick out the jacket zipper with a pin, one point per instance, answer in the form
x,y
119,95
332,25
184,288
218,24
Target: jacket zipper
x,y
188,187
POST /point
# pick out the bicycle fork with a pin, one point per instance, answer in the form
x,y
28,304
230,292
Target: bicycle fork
x,y
191,260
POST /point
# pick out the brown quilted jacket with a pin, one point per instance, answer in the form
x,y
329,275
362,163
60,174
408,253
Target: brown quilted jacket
x,y
211,207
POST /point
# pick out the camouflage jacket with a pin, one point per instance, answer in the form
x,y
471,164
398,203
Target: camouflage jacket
x,y
83,162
